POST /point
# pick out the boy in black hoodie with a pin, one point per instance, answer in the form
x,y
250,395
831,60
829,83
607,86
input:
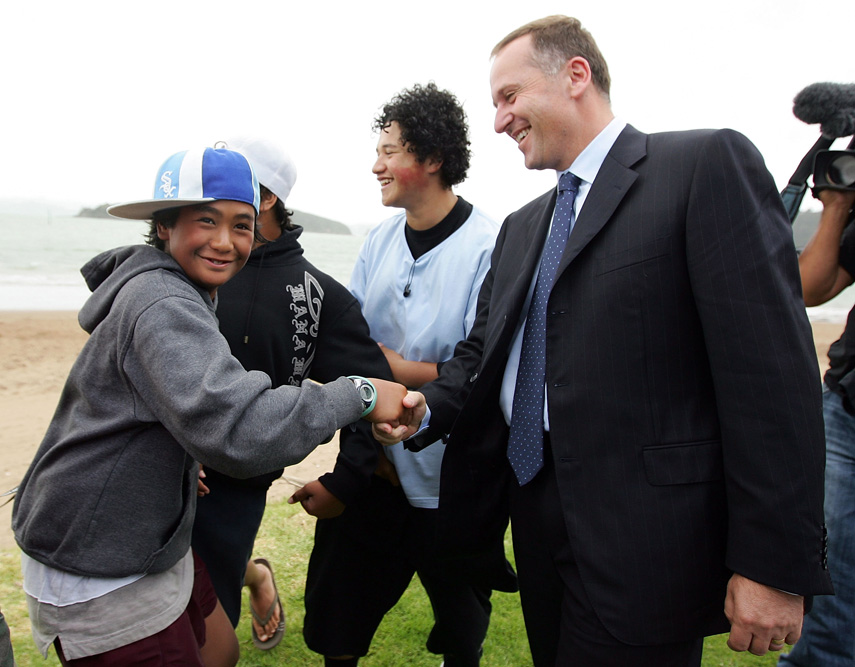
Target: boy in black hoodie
x,y
282,316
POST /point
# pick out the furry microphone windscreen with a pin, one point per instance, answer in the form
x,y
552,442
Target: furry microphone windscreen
x,y
832,105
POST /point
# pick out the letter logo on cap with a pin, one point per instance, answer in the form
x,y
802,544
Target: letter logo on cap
x,y
167,187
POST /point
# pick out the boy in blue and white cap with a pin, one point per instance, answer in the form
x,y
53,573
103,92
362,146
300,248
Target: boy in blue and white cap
x,y
105,511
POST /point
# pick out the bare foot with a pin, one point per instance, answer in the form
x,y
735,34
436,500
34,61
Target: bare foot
x,y
262,596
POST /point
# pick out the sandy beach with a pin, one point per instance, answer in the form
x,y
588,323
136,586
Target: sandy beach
x,y
38,349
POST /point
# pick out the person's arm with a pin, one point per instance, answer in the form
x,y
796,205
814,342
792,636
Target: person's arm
x,y
447,394
745,284
225,417
317,500
344,347
328,496
822,276
416,374
412,374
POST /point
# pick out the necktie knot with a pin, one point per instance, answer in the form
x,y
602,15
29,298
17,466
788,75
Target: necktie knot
x,y
569,183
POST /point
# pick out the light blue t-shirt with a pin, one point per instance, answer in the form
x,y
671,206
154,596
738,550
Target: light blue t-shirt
x,y
426,325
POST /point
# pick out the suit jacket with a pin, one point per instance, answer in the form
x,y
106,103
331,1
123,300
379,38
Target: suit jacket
x,y
682,387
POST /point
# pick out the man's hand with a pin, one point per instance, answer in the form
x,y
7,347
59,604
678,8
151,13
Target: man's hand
x,y
839,199
317,501
414,408
761,618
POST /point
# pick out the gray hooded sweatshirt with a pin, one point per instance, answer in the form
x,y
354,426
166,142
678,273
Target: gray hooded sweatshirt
x,y
111,491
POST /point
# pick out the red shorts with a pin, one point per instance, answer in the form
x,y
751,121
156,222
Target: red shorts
x,y
177,644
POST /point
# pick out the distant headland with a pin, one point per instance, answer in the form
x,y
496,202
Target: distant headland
x,y
308,221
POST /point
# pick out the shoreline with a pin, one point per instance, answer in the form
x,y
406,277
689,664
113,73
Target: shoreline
x,y
38,350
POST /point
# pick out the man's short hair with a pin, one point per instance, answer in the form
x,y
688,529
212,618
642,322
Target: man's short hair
x,y
558,38
433,126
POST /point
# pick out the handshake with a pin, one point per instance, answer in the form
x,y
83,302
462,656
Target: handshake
x,y
397,413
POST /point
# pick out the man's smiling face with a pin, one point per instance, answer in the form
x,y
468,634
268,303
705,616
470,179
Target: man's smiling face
x,y
531,106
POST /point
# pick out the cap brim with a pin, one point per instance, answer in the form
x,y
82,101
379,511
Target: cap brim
x,y
145,210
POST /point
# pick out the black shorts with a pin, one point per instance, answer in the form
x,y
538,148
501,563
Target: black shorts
x,y
364,560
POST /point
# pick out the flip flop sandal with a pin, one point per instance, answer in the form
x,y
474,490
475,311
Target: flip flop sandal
x,y
280,629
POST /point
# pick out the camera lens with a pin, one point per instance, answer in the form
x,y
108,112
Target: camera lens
x,y
841,171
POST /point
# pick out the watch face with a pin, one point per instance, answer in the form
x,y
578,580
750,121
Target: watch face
x,y
366,392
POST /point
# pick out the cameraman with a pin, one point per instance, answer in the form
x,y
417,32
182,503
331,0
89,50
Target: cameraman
x,y
827,266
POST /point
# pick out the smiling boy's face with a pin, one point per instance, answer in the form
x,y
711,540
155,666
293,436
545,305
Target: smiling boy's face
x,y
403,179
211,241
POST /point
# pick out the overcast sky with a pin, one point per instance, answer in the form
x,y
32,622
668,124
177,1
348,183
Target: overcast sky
x,y
97,94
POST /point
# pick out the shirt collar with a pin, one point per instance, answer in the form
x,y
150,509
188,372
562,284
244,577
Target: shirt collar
x,y
588,163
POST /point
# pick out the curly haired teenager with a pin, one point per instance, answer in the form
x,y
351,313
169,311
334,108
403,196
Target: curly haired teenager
x,y
417,278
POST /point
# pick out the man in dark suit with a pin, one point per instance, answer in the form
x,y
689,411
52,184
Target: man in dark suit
x,y
672,487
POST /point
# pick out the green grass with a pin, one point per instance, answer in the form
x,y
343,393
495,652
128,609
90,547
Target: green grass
x,y
286,540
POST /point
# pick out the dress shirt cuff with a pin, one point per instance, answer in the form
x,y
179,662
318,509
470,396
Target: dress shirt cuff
x,y
425,423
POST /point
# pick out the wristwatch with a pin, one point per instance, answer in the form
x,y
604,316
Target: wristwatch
x,y
367,392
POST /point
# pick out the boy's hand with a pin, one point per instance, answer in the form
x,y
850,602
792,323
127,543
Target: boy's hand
x,y
201,489
317,501
413,410
389,407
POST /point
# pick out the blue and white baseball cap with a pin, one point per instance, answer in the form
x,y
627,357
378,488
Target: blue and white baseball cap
x,y
194,177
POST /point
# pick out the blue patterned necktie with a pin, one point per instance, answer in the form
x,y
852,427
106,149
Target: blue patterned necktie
x,y
525,444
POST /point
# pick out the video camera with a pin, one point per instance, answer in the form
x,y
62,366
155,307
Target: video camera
x,y
835,169
832,105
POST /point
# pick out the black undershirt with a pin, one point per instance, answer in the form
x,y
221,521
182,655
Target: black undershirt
x,y
423,241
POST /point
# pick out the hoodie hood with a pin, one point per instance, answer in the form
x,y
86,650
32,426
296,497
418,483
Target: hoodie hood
x,y
283,250
275,255
107,273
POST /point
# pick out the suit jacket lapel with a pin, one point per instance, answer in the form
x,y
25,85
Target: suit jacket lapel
x,y
532,247
610,186
523,259
613,182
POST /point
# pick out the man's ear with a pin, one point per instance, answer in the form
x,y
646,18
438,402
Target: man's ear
x,y
578,73
162,232
268,201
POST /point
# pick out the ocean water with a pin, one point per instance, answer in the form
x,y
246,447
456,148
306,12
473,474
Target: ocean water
x,y
41,255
